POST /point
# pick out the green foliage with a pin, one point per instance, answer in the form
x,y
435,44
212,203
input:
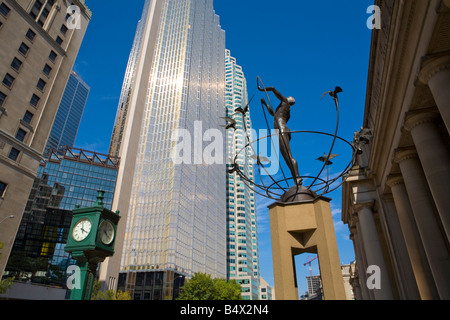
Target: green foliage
x,y
202,287
5,284
20,262
97,294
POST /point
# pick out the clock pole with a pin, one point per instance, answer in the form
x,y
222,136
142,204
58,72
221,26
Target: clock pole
x,y
87,270
91,240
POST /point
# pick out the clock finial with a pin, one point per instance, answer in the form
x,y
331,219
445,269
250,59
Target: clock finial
x,y
100,197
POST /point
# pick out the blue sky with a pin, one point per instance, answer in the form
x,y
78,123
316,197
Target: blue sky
x,y
303,48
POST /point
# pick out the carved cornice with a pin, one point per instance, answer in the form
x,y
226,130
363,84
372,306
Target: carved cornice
x,y
394,180
416,118
403,154
433,65
360,205
446,3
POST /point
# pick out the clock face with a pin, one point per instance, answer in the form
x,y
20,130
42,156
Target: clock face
x,y
81,229
106,232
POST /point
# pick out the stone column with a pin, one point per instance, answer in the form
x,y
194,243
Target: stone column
x,y
436,74
361,264
414,246
435,158
373,250
422,205
354,274
401,264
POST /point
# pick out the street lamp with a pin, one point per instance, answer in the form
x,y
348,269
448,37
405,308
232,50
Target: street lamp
x,y
8,217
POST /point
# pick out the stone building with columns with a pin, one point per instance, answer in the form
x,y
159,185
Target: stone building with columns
x,y
396,200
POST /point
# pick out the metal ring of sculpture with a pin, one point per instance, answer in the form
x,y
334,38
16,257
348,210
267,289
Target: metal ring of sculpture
x,y
319,186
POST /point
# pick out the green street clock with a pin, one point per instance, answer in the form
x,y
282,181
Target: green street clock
x,y
91,239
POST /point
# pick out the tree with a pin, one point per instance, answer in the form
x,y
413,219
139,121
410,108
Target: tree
x,y
202,287
97,294
5,284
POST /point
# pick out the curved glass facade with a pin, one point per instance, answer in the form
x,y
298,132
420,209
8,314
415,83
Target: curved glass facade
x,y
242,235
176,219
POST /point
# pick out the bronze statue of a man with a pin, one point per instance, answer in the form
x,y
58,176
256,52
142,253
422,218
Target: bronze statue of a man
x,y
281,117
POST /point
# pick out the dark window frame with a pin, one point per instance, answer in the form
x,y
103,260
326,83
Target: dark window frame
x,y
4,10
9,80
41,84
16,64
23,49
52,56
28,117
3,97
3,187
34,101
14,154
47,67
30,35
21,134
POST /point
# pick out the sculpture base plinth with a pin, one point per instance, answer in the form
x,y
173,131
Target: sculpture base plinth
x,y
298,194
304,227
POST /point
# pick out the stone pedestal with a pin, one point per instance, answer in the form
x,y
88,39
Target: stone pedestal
x,y
300,227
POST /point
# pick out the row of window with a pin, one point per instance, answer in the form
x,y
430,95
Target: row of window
x,y
39,12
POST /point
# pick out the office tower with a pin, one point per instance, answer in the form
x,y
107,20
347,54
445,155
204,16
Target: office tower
x,y
314,287
37,53
68,118
65,179
173,214
266,292
242,240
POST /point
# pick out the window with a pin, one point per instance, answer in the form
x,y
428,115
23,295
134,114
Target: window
x,y
8,80
41,10
2,98
30,34
47,70
21,134
52,56
2,188
27,117
16,64
64,29
4,9
34,100
23,49
13,154
41,84
59,40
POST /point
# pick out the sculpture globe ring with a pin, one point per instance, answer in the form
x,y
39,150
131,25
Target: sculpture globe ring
x,y
275,190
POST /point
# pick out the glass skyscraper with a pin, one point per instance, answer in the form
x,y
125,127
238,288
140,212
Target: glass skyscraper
x,y
68,117
174,214
65,179
242,237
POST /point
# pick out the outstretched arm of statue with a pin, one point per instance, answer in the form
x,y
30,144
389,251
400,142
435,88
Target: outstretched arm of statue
x,y
263,102
275,92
